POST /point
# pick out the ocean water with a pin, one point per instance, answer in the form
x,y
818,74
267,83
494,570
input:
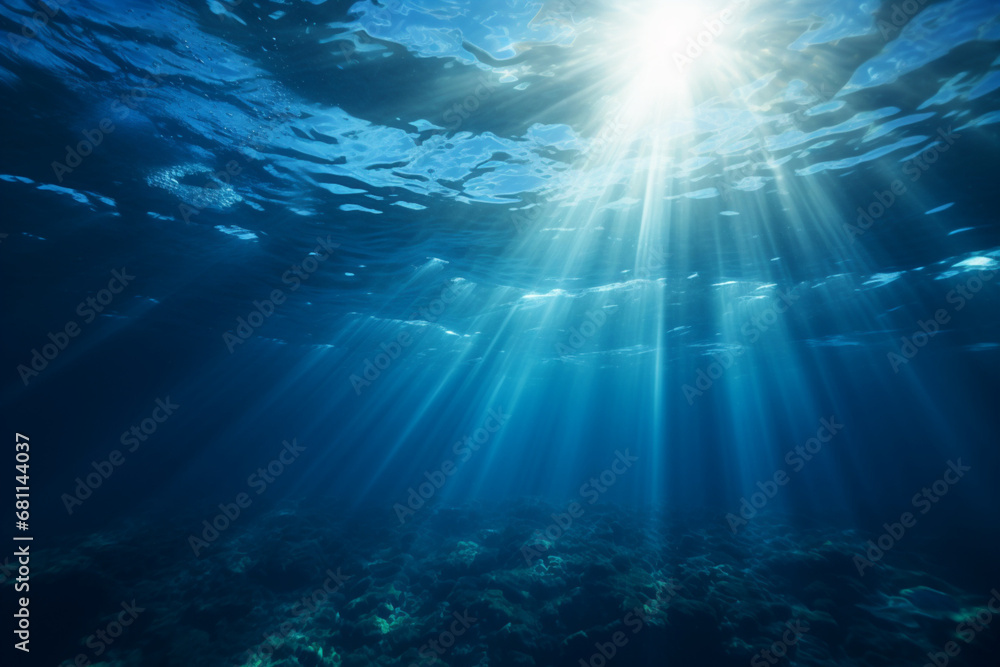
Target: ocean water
x,y
506,333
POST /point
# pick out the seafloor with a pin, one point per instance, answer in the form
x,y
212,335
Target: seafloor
x,y
475,586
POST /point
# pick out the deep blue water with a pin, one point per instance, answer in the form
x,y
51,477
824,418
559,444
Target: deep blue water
x,y
533,309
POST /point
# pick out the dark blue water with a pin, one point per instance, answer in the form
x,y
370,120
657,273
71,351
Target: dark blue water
x,y
502,333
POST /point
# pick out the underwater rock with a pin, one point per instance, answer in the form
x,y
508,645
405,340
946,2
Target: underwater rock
x,y
678,592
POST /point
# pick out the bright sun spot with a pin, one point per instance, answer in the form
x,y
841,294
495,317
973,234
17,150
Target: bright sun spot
x,y
666,46
659,62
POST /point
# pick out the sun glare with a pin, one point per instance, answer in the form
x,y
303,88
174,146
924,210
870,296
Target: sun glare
x,y
667,48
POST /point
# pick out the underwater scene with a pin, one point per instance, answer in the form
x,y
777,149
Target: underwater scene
x,y
500,333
